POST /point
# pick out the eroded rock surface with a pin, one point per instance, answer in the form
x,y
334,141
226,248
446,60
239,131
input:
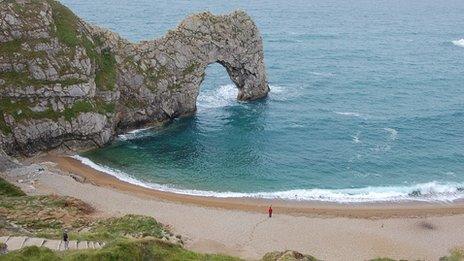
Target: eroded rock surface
x,y
65,83
287,255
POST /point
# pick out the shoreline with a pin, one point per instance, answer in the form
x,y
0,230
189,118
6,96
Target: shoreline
x,y
241,227
371,210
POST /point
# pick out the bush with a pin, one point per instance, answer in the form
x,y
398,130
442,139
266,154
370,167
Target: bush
x,y
129,225
10,190
31,253
456,255
124,249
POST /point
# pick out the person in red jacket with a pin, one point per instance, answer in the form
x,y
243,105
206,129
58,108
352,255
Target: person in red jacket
x,y
270,211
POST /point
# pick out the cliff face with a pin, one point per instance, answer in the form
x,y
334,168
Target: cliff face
x,y
66,83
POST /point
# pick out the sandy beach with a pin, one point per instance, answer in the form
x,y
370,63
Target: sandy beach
x,y
240,227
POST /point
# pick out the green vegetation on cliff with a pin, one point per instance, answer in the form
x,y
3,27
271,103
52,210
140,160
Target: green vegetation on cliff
x,y
73,35
106,75
21,110
10,47
78,107
22,79
66,24
69,31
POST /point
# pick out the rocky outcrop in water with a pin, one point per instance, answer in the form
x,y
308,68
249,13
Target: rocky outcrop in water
x,y
65,83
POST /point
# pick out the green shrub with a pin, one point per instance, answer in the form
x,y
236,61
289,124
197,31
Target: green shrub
x,y
31,253
129,225
456,255
124,249
10,190
145,249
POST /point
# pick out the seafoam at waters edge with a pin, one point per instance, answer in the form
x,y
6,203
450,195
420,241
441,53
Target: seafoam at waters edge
x,y
425,192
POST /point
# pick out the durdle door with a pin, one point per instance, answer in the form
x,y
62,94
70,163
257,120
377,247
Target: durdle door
x,y
65,83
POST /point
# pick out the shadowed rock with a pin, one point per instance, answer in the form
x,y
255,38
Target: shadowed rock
x,y
287,255
65,83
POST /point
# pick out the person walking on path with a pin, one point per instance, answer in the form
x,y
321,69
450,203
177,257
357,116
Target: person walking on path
x,y
270,211
65,240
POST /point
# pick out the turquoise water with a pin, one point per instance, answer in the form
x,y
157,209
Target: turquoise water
x,y
366,104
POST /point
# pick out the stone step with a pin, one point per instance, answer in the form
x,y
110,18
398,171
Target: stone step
x,y
82,245
15,243
34,241
72,245
52,244
61,246
4,239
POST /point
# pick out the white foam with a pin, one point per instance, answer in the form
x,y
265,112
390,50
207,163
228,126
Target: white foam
x,y
282,93
323,74
459,43
223,96
226,95
277,89
115,173
431,191
132,134
348,113
393,133
138,130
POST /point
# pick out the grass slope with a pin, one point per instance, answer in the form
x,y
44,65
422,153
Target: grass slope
x,y
10,190
142,249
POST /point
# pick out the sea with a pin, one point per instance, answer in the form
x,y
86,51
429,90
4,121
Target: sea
x,y
366,104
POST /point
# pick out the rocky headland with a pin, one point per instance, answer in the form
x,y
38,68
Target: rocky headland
x,y
67,84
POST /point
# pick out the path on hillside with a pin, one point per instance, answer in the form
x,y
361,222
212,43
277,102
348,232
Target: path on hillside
x,y
18,242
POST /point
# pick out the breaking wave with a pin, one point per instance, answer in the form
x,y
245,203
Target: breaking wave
x,y
132,134
348,113
459,43
226,95
393,133
223,96
425,192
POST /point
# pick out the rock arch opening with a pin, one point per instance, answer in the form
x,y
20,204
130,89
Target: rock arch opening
x,y
217,89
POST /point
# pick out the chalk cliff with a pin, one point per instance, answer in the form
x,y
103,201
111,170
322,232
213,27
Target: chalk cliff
x,y
66,83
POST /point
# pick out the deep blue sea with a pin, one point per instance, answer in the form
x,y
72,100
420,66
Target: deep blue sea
x,y
366,104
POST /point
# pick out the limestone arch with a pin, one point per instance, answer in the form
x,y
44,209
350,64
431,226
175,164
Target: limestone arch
x,y
183,54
